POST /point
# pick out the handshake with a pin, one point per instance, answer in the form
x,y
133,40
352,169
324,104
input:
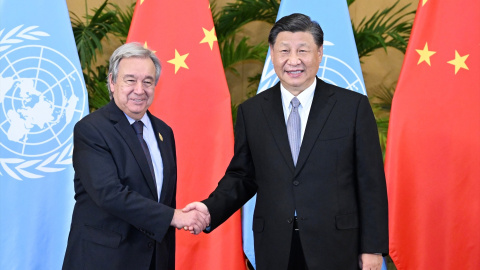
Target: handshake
x,y
194,218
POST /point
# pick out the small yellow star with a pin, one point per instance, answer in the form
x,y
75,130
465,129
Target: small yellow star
x,y
141,1
146,47
459,61
210,37
425,55
179,61
424,2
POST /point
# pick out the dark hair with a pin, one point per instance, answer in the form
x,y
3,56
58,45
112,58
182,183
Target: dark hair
x,y
296,22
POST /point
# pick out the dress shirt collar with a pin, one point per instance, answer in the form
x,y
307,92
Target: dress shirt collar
x,y
145,119
305,97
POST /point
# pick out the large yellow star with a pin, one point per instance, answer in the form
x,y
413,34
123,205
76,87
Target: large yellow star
x,y
459,61
425,55
179,61
210,37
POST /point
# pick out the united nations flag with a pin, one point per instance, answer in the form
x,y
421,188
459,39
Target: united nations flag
x,y
42,96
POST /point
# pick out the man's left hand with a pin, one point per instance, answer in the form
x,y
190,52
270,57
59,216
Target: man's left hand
x,y
370,261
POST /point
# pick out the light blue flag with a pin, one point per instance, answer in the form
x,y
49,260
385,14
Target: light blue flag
x,y
340,66
42,96
384,264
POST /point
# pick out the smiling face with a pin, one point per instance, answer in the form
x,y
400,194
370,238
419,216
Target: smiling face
x,y
296,59
134,88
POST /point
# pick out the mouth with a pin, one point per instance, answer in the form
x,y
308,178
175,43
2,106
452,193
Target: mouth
x,y
138,100
294,73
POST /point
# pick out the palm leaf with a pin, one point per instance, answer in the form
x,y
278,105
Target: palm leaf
x,y
88,36
96,81
233,54
229,22
384,98
123,19
381,105
387,28
241,12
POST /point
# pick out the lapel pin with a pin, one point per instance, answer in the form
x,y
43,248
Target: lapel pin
x,y
160,136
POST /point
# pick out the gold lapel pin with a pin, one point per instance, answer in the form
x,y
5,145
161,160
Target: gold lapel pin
x,y
160,136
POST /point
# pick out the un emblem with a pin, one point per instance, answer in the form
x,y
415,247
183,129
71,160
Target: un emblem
x,y
42,96
332,70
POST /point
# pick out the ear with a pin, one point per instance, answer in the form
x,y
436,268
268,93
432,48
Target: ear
x,y
320,52
271,53
110,82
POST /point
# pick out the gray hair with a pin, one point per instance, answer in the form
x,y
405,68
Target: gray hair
x,y
128,50
296,22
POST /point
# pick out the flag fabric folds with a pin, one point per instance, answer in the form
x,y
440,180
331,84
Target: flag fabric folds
x,y
42,96
340,66
193,98
433,147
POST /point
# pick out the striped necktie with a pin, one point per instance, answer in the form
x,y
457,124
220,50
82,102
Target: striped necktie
x,y
293,130
138,127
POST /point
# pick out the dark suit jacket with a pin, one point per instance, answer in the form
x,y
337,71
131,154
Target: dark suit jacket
x,y
117,220
337,188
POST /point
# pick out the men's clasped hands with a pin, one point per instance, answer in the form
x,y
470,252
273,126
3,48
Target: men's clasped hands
x,y
195,218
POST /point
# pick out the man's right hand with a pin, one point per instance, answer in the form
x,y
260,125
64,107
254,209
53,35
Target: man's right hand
x,y
194,221
200,207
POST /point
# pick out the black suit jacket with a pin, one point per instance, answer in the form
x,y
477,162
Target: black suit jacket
x,y
337,188
117,220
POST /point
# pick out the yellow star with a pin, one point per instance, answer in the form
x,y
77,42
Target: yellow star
x,y
141,1
459,61
424,2
210,37
425,55
179,61
146,47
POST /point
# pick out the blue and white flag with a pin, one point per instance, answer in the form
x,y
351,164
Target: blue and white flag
x,y
340,66
42,96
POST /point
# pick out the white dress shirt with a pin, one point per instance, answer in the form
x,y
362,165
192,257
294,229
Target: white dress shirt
x,y
151,140
305,98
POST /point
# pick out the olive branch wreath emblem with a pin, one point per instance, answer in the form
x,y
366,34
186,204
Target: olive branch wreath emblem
x,y
19,168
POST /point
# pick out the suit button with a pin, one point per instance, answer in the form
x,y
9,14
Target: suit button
x,y
290,220
150,244
296,183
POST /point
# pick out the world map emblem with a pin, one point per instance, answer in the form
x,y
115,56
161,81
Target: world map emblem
x,y
42,96
332,70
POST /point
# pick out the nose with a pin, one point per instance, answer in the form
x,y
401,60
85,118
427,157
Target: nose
x,y
293,59
138,88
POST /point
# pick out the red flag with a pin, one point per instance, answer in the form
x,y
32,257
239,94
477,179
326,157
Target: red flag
x,y
193,98
433,147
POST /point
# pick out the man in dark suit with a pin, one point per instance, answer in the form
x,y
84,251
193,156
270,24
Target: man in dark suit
x,y
126,176
310,151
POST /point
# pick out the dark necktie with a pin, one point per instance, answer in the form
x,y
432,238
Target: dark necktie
x,y
294,130
138,127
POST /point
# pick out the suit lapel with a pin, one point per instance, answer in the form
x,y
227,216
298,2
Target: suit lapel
x,y
165,152
128,134
322,104
273,111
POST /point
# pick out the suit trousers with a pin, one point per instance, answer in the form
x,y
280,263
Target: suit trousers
x,y
297,259
152,263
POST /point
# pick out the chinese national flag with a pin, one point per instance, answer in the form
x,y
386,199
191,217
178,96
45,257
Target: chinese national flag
x,y
192,97
433,148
